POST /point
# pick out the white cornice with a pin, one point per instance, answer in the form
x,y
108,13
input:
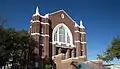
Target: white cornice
x,y
65,13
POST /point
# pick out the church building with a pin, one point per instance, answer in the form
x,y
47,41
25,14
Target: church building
x,y
58,34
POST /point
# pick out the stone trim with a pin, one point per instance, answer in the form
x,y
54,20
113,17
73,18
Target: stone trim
x,y
80,42
45,23
39,21
67,44
35,33
77,41
83,42
66,29
45,35
34,21
80,32
40,34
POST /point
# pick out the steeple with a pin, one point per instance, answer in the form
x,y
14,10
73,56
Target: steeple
x,y
37,11
81,24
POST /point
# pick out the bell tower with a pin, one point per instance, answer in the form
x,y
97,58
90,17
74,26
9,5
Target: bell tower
x,y
35,28
83,40
80,40
35,32
39,30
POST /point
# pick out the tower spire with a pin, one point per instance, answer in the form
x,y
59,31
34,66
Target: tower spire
x,y
81,24
37,11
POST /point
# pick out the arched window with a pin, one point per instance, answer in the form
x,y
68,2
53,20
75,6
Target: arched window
x,y
68,38
62,34
55,36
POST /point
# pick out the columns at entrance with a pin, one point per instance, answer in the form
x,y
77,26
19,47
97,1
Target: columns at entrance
x,y
53,50
68,53
59,51
73,53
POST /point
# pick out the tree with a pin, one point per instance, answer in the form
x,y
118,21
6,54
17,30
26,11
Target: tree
x,y
3,52
15,47
47,63
113,51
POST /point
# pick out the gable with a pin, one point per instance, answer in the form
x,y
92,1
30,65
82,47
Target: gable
x,y
62,12
61,17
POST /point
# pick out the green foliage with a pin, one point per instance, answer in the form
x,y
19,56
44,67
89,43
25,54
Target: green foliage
x,y
47,63
48,66
15,46
113,51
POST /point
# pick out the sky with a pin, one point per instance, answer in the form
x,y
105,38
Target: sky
x,y
100,17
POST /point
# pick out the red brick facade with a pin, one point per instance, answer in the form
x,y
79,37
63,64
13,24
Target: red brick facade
x,y
44,28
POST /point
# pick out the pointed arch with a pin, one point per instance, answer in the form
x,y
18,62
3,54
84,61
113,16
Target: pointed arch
x,y
62,34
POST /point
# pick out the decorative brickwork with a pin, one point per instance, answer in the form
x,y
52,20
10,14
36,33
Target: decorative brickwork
x,y
58,33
